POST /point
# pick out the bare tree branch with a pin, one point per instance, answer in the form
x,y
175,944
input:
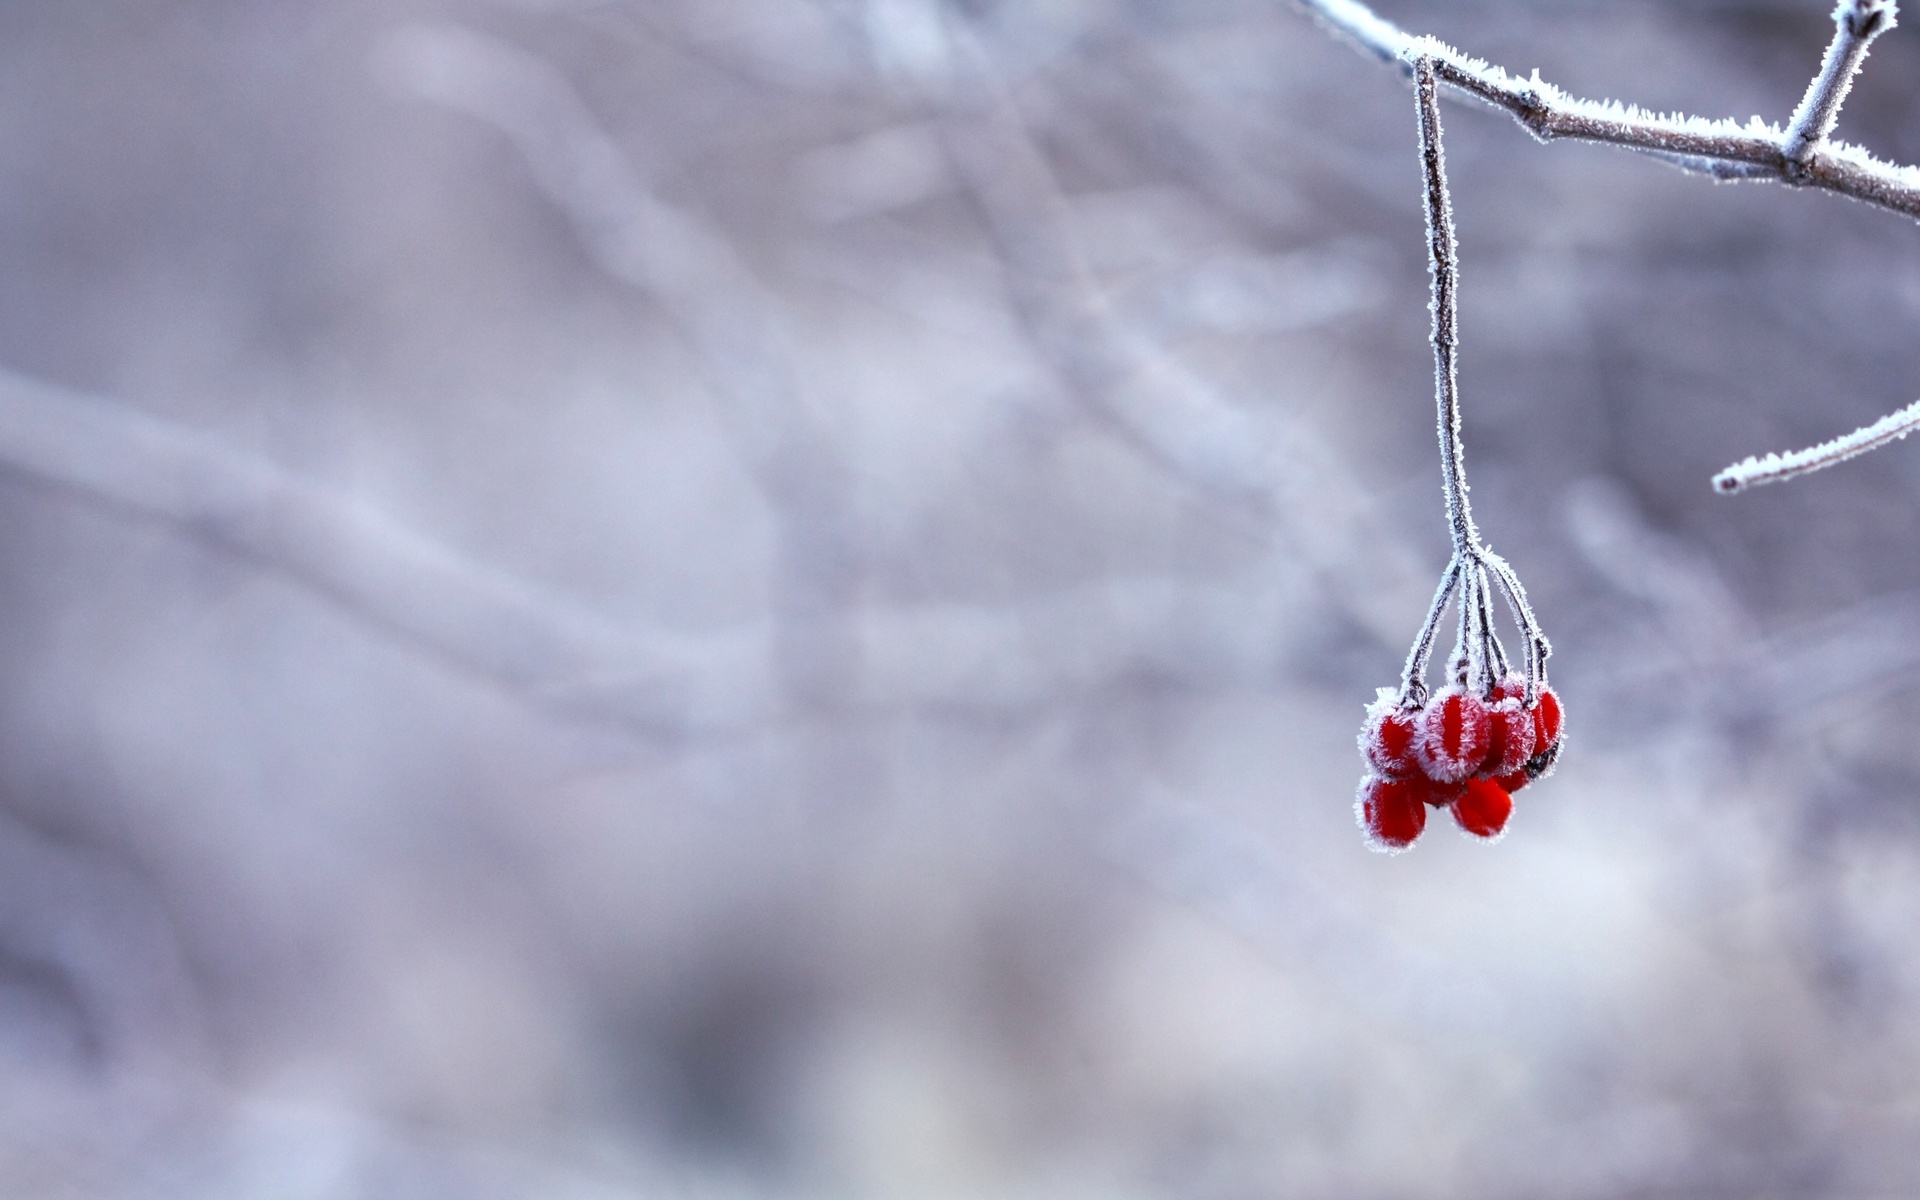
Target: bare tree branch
x,y
1722,148
1474,569
1443,260
1856,24
1752,472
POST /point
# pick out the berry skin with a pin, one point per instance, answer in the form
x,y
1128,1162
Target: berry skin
x,y
1439,795
1386,740
1392,813
1514,782
1455,731
1547,722
1511,737
1483,810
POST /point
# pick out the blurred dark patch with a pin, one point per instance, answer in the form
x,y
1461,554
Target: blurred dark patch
x,y
43,1019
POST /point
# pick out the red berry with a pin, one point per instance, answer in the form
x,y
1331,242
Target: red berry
x,y
1454,733
1547,716
1484,809
1386,740
1439,795
1547,719
1391,812
1510,737
1514,782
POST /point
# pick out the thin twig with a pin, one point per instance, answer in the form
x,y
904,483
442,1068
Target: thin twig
x,y
1478,657
1366,29
1756,150
1492,664
1856,24
1443,261
1413,685
1753,472
1538,648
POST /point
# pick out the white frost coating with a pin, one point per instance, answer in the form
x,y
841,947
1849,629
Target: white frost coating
x,y
1856,24
1374,748
1752,472
1360,25
1459,762
1374,842
1516,745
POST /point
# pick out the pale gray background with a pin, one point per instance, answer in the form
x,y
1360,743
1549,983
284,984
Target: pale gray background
x,y
1024,864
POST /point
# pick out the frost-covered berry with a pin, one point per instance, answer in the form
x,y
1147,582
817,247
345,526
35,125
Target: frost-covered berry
x,y
1514,782
1435,793
1510,738
1455,728
1483,809
1392,812
1386,740
1547,721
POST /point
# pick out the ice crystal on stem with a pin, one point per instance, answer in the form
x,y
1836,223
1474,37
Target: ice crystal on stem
x,y
1495,726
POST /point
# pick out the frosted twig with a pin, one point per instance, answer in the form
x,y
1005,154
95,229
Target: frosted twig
x,y
1363,27
1443,261
1752,472
1538,648
1492,663
1413,684
1467,632
1478,657
1856,24
1722,148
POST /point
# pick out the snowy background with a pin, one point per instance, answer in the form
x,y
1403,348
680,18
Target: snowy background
x,y
770,598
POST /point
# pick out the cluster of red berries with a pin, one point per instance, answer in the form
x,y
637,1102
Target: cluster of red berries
x,y
1459,751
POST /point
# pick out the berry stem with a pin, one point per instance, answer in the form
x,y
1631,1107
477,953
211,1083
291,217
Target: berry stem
x,y
1413,685
1478,658
1538,648
1443,262
1464,637
1491,663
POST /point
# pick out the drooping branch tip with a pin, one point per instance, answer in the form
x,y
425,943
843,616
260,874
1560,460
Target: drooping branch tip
x,y
1774,468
